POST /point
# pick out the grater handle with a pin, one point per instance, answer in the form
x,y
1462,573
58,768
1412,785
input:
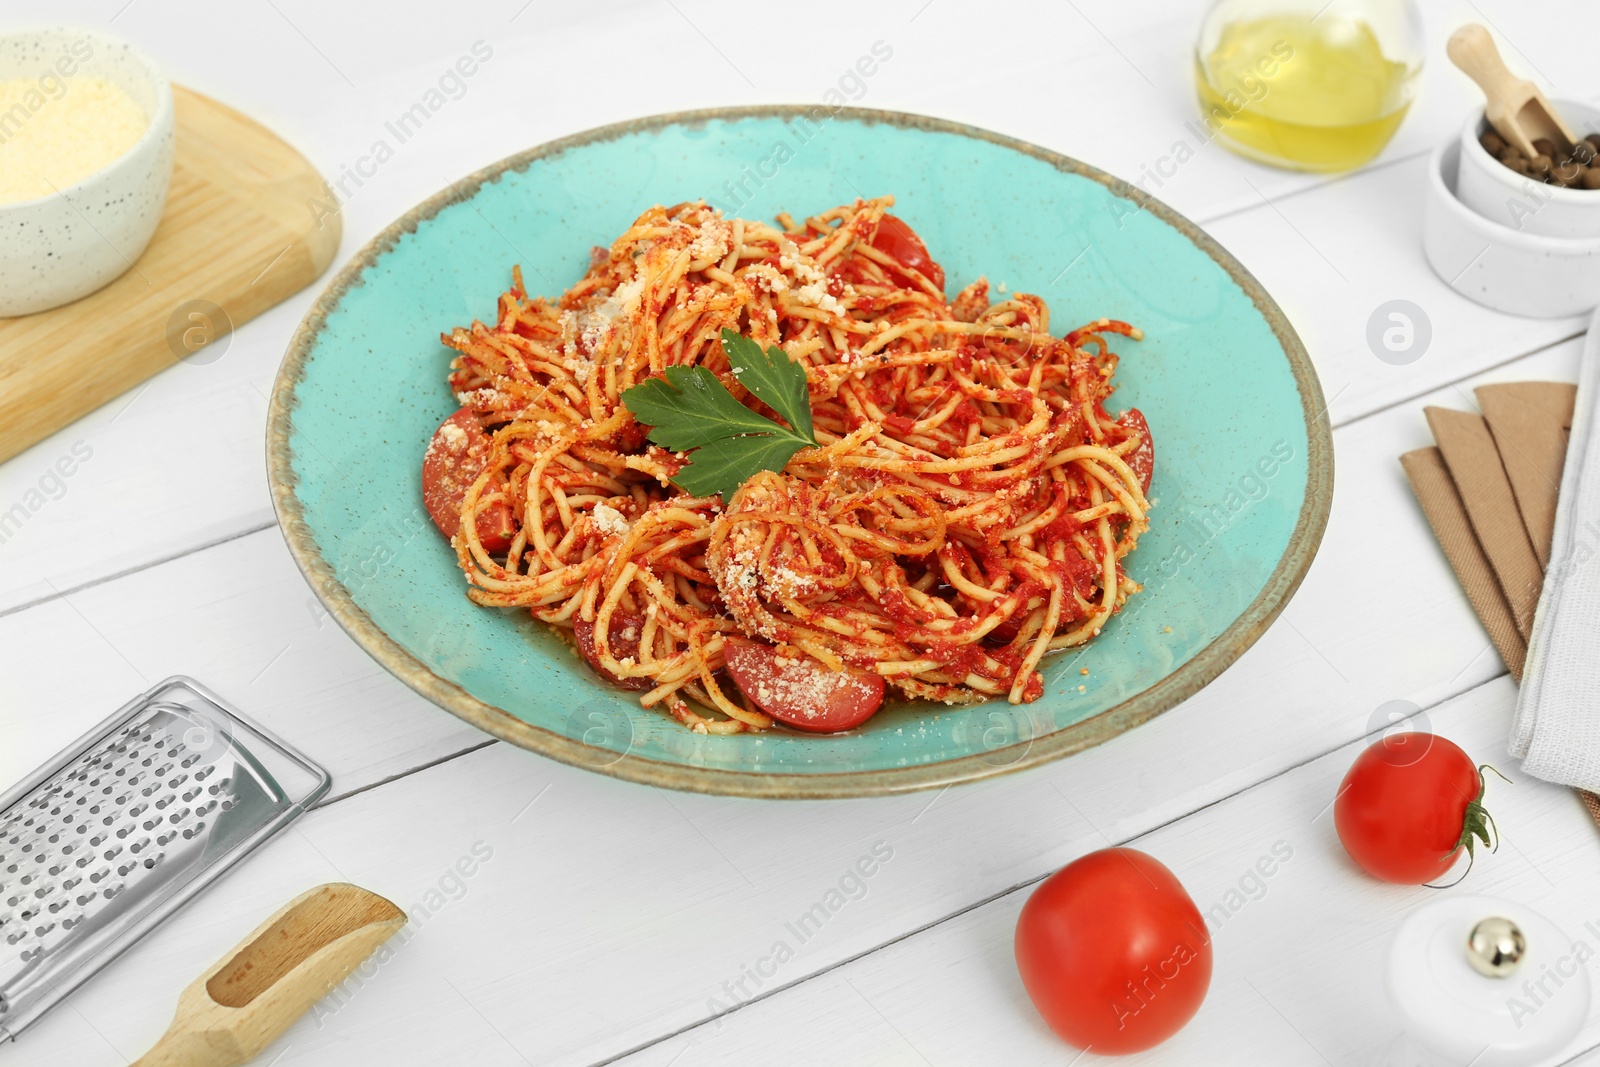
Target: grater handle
x,y
252,995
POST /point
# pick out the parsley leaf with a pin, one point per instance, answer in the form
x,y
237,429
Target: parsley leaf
x,y
721,467
773,377
689,408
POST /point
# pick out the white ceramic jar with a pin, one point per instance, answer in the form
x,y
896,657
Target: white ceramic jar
x,y
1503,196
1454,1015
59,247
1509,270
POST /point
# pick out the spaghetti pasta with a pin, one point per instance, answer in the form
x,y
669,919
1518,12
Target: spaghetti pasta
x,y
967,512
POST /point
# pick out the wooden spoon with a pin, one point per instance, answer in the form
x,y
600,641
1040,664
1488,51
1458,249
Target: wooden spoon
x,y
241,1005
1517,110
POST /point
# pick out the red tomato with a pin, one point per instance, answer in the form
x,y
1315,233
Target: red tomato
x,y
622,638
899,241
1113,952
1007,631
799,691
455,457
1408,807
1143,458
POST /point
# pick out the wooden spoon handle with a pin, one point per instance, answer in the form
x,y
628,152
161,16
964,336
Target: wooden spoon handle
x,y
1473,50
183,1048
241,1005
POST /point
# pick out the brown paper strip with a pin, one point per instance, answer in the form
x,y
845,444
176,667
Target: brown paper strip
x,y
1474,462
1521,416
1530,422
1436,492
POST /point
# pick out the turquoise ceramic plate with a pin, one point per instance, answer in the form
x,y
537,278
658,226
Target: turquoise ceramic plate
x,y
1244,470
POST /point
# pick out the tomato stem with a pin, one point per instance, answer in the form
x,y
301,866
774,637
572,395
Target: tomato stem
x,y
1476,823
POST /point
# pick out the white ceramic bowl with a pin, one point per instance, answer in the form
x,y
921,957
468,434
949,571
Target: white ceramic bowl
x,y
1501,195
60,247
1508,270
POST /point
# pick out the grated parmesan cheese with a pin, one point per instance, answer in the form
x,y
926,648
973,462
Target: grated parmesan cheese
x,y
767,276
785,584
596,325
51,142
481,398
802,685
814,293
713,243
609,520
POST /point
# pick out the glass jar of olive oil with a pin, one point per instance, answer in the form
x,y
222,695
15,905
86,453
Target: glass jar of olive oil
x,y
1316,85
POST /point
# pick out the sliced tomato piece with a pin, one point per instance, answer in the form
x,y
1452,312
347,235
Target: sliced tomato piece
x,y
800,692
1007,631
456,456
894,238
623,640
1143,458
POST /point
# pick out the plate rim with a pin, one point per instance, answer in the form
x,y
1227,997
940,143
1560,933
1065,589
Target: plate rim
x,y
1188,679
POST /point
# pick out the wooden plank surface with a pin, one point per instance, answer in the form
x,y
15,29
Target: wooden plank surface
x,y
1298,956
556,950
235,239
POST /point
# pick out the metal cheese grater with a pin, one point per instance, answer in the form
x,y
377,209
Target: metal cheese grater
x,y
124,826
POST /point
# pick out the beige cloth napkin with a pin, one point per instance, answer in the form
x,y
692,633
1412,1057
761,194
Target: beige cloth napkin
x,y
1436,492
1473,456
1489,492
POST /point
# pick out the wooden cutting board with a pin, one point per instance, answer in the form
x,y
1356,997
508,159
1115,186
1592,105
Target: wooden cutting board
x,y
241,232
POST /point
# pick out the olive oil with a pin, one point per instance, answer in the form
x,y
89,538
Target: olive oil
x,y
1310,94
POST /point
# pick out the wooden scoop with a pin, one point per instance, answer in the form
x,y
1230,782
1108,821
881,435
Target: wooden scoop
x,y
241,1005
1517,109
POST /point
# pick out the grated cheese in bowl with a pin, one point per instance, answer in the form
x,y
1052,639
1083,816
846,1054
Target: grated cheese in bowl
x,y
48,143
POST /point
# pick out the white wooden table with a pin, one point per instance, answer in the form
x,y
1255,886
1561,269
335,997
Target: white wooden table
x,y
613,923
